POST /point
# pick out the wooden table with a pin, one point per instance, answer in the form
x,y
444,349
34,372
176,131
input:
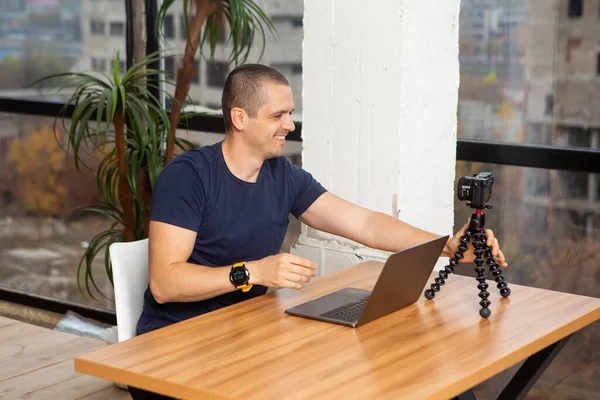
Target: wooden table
x,y
37,363
431,350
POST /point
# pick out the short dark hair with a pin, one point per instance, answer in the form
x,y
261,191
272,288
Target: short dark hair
x,y
244,89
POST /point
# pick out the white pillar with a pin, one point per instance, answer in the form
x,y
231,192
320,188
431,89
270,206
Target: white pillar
x,y
380,93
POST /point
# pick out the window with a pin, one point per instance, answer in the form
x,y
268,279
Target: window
x,y
170,67
222,35
539,133
43,237
535,91
549,104
543,225
283,21
577,137
169,27
288,69
117,29
217,73
283,48
182,32
52,37
513,83
97,27
574,185
98,63
575,8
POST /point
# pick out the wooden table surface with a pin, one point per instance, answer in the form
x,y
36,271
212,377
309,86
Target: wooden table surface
x,y
37,363
431,350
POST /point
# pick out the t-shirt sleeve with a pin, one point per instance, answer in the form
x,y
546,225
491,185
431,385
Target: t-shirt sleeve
x,y
306,190
178,197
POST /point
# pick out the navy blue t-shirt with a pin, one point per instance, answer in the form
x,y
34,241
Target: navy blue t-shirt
x,y
235,220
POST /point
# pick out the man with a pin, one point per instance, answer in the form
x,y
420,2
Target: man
x,y
219,213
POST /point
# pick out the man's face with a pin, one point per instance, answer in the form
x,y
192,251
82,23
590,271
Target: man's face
x,y
267,132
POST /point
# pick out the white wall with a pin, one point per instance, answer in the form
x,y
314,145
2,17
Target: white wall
x,y
380,100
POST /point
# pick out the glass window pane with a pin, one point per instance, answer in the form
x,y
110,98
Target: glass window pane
x,y
43,235
168,26
117,29
575,8
528,71
216,74
283,53
43,38
548,225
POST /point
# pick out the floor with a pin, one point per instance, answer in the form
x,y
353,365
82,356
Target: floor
x,y
37,363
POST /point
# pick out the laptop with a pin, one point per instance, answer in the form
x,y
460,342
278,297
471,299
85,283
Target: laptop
x,y
399,285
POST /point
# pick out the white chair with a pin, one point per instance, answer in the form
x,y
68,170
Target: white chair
x,y
130,277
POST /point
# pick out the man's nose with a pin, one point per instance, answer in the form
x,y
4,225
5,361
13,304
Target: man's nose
x,y
289,125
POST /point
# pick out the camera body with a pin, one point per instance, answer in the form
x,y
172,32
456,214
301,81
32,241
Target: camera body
x,y
476,189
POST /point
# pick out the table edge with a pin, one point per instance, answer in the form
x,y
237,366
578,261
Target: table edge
x,y
521,354
178,390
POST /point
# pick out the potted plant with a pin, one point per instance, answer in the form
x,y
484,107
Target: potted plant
x,y
119,117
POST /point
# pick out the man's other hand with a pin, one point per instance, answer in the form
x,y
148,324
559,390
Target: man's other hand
x,y
282,271
454,242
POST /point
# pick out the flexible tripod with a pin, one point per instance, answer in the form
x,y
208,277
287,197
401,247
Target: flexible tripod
x,y
476,230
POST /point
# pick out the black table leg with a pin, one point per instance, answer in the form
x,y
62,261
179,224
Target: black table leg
x,y
530,371
468,395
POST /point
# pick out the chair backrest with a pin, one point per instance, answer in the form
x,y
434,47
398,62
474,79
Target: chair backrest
x,y
130,277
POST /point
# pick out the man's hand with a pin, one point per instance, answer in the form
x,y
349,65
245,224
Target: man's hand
x,y
282,271
452,246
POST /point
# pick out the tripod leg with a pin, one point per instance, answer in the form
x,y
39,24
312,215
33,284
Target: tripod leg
x,y
448,269
478,243
497,272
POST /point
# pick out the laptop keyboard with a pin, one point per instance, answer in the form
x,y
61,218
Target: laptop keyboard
x,y
348,312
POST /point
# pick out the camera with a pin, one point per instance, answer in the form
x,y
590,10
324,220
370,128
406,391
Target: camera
x,y
476,189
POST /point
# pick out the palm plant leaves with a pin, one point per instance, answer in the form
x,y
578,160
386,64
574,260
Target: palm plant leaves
x,y
97,101
245,19
118,116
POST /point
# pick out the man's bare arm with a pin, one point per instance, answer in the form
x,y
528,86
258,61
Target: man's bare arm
x,y
173,279
332,214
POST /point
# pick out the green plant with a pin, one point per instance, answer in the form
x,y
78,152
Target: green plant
x,y
119,117
243,17
122,118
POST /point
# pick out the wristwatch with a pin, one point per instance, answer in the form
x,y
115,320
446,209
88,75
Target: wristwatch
x,y
239,276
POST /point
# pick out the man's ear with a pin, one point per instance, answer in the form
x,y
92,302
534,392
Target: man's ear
x,y
239,118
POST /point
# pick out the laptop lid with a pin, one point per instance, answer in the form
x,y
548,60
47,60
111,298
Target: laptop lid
x,y
402,279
